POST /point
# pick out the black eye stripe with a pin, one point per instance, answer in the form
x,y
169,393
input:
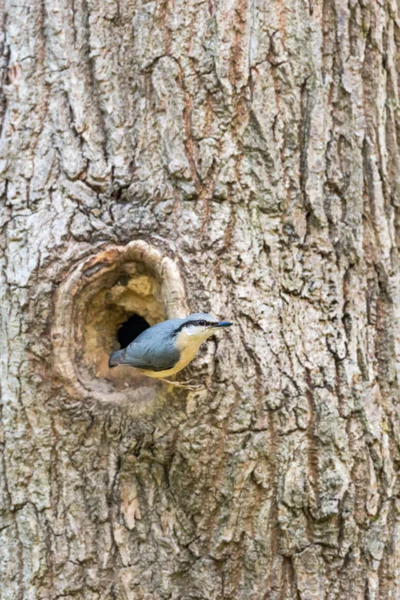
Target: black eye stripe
x,y
188,323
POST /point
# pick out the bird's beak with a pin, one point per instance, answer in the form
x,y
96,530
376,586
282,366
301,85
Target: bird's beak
x,y
223,324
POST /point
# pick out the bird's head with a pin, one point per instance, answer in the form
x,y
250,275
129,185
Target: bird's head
x,y
198,327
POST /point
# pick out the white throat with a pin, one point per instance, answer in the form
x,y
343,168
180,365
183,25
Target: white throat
x,y
189,339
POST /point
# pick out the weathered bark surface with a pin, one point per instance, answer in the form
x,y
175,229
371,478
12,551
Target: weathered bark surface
x,y
256,143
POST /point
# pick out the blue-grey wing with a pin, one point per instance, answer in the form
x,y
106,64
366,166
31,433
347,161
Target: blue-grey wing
x,y
149,355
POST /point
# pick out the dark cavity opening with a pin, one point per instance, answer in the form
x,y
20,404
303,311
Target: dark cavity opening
x,y
129,330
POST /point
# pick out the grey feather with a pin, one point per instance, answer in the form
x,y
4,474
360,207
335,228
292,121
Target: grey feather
x,y
152,350
114,358
155,349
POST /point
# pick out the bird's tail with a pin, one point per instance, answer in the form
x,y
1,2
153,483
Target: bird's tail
x,y
114,359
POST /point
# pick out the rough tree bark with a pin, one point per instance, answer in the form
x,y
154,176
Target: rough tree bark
x,y
255,144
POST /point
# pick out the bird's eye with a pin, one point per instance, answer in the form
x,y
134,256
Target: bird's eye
x,y
202,323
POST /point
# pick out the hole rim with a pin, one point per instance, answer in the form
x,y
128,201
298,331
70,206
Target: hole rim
x,y
75,291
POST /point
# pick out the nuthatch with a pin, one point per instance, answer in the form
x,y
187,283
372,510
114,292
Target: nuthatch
x,y
166,348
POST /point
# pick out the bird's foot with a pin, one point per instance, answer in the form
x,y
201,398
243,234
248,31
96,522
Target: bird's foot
x,y
186,385
191,386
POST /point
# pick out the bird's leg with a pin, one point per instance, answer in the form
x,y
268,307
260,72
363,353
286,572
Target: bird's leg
x,y
183,384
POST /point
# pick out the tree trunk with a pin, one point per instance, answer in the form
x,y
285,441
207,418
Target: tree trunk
x,y
239,158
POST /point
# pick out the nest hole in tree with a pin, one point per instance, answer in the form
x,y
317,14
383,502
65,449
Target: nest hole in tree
x,y
128,302
102,306
131,329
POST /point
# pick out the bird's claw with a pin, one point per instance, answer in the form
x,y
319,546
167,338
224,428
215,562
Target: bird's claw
x,y
191,386
186,385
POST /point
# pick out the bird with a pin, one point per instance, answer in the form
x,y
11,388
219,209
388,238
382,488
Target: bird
x,y
167,347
